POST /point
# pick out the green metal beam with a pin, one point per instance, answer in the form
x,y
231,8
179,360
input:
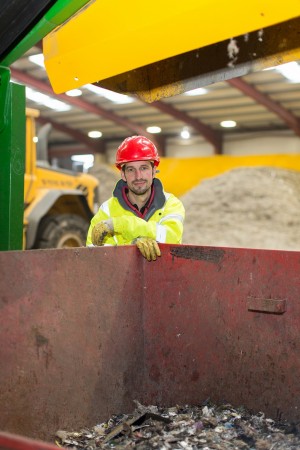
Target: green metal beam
x,y
59,13
12,161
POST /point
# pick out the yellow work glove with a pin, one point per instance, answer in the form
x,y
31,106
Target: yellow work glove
x,y
148,247
101,230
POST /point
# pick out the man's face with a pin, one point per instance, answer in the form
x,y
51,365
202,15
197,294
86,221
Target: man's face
x,y
139,176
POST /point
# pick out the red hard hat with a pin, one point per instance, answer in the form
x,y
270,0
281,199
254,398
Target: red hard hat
x,y
136,148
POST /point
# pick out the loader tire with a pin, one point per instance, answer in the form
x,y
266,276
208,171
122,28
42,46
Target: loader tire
x,y
62,231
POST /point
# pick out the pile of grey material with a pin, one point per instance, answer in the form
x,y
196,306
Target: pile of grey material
x,y
107,178
186,427
251,207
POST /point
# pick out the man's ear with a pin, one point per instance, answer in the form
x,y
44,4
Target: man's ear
x,y
123,175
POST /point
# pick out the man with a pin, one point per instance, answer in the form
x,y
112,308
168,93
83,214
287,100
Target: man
x,y
139,212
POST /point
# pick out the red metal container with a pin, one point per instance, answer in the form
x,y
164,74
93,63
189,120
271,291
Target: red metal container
x,y
84,332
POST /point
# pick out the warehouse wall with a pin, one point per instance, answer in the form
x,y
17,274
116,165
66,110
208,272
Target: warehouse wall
x,y
188,162
238,144
179,175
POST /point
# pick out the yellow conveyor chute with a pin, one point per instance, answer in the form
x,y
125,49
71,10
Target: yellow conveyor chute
x,y
107,38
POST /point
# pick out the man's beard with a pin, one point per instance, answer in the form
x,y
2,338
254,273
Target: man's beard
x,y
139,190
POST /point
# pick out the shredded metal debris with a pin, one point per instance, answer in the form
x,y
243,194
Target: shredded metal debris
x,y
185,427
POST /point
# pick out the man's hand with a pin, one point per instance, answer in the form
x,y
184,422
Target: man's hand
x,y
101,230
148,248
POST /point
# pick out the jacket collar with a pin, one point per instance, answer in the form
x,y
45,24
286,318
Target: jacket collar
x,y
158,200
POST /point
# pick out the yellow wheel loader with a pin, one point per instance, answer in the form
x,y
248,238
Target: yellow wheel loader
x,y
58,203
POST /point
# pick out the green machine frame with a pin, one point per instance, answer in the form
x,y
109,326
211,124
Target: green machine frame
x,y
12,126
12,161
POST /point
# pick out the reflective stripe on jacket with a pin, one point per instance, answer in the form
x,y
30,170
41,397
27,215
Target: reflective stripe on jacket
x,y
163,220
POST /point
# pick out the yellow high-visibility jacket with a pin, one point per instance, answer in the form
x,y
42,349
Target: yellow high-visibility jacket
x,y
163,221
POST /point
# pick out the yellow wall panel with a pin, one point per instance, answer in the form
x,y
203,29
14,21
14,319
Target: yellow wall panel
x,y
179,175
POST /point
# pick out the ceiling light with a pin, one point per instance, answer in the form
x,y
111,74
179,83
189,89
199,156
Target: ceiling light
x,y
35,139
94,134
228,124
198,91
185,134
291,71
86,160
45,100
74,93
153,130
110,95
37,59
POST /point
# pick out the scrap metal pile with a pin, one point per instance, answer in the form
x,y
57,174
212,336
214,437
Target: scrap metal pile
x,y
185,427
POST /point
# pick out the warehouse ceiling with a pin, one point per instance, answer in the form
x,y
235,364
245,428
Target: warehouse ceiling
x,y
262,101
